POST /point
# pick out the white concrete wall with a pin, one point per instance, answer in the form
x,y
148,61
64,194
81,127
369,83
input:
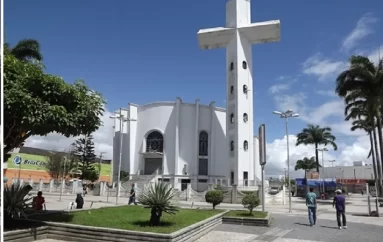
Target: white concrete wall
x,y
347,172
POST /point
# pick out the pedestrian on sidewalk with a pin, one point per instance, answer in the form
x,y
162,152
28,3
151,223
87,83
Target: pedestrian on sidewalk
x,y
340,205
311,203
132,198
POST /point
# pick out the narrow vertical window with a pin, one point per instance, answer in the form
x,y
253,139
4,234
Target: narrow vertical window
x,y
244,65
232,118
231,90
245,89
232,145
245,117
231,66
245,145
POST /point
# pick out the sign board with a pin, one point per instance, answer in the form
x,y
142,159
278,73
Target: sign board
x,y
262,145
351,181
19,161
313,175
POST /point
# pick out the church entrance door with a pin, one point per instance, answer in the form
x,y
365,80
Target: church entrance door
x,y
152,164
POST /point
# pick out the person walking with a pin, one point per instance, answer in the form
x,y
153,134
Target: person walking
x,y
311,203
132,198
340,205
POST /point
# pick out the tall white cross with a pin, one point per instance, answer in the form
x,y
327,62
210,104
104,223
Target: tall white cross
x,y
237,37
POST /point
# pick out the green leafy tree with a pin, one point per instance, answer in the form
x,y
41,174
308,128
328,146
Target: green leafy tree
x,y
250,201
158,198
361,87
84,151
215,197
58,166
316,135
36,103
306,164
25,50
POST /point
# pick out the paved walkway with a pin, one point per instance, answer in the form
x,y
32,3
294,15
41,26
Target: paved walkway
x,y
286,228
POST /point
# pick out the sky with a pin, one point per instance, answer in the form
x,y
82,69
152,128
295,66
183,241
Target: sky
x,y
146,51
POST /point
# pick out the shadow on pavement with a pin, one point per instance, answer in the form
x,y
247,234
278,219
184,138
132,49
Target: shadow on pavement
x,y
328,227
307,225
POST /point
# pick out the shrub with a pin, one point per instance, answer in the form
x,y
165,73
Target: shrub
x,y
17,202
250,201
158,198
214,197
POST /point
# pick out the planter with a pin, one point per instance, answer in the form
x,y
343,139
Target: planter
x,y
261,222
71,232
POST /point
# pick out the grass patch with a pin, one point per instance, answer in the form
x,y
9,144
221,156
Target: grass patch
x,y
134,218
246,214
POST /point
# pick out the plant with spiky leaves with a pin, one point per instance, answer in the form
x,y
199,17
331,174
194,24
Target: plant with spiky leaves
x,y
159,198
17,201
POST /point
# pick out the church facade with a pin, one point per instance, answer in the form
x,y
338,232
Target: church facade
x,y
182,143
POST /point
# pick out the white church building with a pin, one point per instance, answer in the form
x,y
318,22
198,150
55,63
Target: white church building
x,y
198,144
182,143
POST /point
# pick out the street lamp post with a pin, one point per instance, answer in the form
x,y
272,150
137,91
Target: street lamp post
x,y
322,150
63,178
286,115
122,119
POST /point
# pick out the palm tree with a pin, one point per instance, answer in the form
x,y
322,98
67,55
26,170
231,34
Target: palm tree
x,y
158,198
306,164
316,135
26,50
361,86
370,129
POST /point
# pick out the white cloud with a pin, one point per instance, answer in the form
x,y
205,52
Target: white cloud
x,y
277,88
323,68
327,93
362,29
277,154
103,139
376,54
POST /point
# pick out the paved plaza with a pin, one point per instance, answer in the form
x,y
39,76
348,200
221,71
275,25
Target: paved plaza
x,y
285,226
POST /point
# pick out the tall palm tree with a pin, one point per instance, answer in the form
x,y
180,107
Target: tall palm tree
x,y
316,135
26,50
306,164
370,129
361,86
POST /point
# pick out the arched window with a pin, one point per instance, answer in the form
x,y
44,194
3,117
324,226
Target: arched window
x,y
244,65
203,143
231,90
155,142
245,145
245,117
232,118
232,146
231,66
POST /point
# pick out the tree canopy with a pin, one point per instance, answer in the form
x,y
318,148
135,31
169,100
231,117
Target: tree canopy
x,y
316,135
37,103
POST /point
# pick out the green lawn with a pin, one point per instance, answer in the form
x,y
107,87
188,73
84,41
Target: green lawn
x,y
246,214
134,218
105,168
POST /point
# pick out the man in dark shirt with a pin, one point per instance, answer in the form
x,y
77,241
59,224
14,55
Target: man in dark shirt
x,y
340,205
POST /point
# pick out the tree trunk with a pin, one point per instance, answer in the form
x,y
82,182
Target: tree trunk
x,y
373,156
380,145
378,160
316,156
155,217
